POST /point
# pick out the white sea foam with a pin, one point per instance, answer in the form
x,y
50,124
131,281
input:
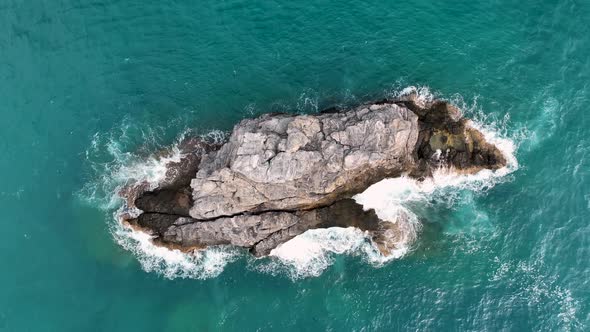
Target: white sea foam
x,y
308,254
311,253
174,263
423,94
308,101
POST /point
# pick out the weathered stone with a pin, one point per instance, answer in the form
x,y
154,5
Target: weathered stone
x,y
279,175
242,231
325,157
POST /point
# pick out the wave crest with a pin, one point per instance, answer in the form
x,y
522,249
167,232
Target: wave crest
x,y
174,263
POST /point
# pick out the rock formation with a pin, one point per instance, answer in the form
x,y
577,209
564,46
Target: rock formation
x,y
281,174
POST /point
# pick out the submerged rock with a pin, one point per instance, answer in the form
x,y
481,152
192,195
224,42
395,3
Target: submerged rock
x,y
279,175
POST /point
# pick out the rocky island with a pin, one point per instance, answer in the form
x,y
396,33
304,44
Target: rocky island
x,y
280,175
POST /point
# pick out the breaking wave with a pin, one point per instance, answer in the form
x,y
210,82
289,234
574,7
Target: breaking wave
x,y
173,263
312,252
306,255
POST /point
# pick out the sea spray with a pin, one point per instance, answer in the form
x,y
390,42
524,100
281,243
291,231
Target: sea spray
x,y
174,263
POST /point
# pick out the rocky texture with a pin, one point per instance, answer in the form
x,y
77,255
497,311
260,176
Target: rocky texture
x,y
279,175
286,162
261,232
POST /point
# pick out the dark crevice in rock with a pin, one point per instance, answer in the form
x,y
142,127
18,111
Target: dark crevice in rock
x,y
331,110
166,201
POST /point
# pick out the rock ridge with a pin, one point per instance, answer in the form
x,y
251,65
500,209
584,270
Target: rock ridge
x,y
279,175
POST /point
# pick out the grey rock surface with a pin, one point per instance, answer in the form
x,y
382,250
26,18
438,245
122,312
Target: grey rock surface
x,y
290,162
279,175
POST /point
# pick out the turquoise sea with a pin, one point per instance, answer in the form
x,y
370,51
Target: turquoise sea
x,y
89,89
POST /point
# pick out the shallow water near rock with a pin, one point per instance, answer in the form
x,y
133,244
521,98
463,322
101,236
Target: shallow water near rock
x,y
90,90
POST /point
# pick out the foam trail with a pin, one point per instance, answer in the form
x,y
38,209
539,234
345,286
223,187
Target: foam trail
x,y
545,124
310,253
174,263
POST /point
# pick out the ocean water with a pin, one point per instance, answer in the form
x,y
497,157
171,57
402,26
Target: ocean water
x,y
89,89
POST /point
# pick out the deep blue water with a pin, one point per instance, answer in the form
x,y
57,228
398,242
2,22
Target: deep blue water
x,y
88,86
